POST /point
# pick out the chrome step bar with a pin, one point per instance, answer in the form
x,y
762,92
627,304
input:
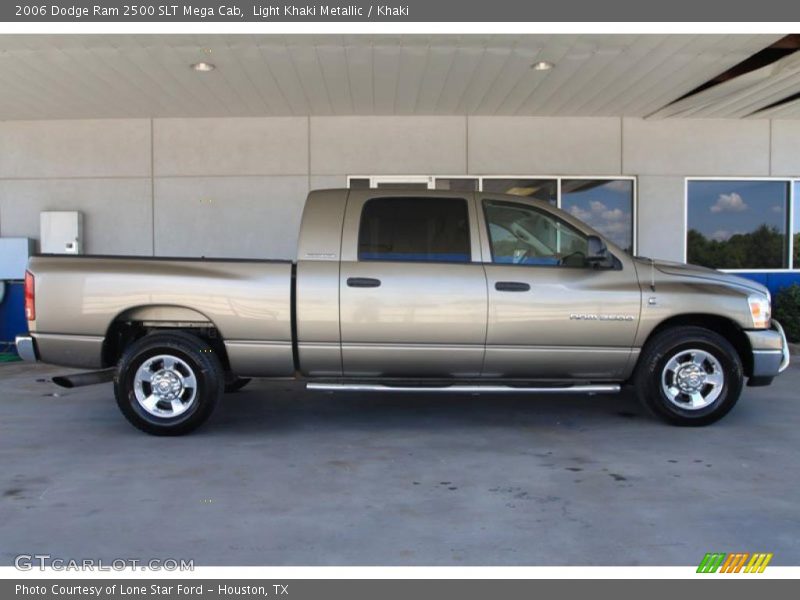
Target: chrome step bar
x,y
465,389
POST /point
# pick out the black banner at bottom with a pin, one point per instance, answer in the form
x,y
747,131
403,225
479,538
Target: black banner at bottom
x,y
387,589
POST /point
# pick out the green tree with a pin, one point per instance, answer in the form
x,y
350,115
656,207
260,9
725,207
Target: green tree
x,y
787,311
763,248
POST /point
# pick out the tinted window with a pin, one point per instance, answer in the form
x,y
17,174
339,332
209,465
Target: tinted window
x,y
522,235
738,224
414,229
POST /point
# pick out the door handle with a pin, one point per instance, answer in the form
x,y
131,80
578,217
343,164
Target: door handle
x,y
363,282
511,286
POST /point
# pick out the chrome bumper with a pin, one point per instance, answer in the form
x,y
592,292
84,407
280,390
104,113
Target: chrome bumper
x,y
26,348
784,347
770,351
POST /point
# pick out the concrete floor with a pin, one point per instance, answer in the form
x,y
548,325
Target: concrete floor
x,y
280,476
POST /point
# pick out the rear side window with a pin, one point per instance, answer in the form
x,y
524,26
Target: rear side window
x,y
414,229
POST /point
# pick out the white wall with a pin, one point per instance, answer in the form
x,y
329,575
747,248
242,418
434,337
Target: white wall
x,y
235,187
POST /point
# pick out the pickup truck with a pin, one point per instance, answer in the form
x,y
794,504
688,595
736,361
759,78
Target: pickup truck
x,y
404,291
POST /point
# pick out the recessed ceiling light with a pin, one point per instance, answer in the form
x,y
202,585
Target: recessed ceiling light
x,y
542,65
203,67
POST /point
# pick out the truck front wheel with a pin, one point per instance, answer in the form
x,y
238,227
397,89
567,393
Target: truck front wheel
x,y
168,383
689,376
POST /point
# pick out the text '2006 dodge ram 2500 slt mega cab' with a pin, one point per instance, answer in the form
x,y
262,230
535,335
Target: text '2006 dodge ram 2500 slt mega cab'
x,y
407,290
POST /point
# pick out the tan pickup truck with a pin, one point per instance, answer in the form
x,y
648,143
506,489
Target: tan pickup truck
x,y
402,291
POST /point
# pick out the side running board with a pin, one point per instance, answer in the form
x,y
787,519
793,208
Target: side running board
x,y
465,389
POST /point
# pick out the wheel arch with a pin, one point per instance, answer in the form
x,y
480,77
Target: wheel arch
x,y
135,322
723,326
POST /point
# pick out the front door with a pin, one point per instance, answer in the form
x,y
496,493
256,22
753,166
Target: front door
x,y
413,293
551,314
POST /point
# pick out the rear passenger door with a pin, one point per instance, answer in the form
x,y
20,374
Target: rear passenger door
x,y
413,295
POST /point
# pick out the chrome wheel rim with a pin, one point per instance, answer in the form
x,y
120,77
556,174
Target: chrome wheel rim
x,y
165,386
692,379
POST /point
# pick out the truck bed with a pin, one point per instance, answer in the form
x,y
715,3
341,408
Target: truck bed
x,y
249,302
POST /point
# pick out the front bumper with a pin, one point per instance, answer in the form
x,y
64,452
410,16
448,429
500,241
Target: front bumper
x,y
770,351
26,348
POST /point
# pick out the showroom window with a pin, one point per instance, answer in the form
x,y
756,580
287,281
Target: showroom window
x,y
539,189
605,205
608,204
414,229
795,241
741,224
456,184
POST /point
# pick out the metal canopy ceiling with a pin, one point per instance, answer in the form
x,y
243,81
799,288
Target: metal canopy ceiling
x,y
746,95
98,76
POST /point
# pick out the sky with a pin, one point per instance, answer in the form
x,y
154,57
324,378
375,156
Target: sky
x,y
721,209
607,208
796,228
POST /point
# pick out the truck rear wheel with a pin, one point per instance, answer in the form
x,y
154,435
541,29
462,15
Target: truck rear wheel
x,y
168,383
689,376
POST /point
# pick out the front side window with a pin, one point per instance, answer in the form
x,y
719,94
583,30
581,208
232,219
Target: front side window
x,y
738,224
522,235
414,229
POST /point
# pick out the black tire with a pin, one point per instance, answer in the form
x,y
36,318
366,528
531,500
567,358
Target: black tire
x,y
647,379
193,355
234,383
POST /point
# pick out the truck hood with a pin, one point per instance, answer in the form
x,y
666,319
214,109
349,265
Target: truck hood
x,y
704,273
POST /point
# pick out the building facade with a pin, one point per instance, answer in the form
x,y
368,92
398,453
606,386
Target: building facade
x,y
235,187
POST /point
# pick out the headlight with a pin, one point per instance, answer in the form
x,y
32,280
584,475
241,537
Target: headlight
x,y
760,311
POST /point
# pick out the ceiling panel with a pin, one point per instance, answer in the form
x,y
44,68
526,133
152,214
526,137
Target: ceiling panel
x,y
95,76
359,77
742,96
790,110
409,79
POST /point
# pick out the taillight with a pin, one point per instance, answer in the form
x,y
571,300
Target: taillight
x,y
30,305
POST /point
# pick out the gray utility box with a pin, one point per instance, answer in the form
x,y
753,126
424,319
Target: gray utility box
x,y
61,232
14,254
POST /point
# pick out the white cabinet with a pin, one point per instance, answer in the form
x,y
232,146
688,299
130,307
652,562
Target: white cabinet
x,y
61,232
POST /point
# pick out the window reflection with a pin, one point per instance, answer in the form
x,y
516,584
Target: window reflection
x,y
738,224
796,225
604,204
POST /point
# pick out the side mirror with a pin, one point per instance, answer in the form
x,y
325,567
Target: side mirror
x,y
597,253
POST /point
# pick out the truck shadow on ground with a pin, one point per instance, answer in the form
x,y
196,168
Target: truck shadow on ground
x,y
263,407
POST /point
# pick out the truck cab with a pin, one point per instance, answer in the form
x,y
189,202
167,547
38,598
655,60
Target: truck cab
x,y
447,285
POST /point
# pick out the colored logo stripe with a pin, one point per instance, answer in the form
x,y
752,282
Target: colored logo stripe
x,y
758,563
711,562
734,562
